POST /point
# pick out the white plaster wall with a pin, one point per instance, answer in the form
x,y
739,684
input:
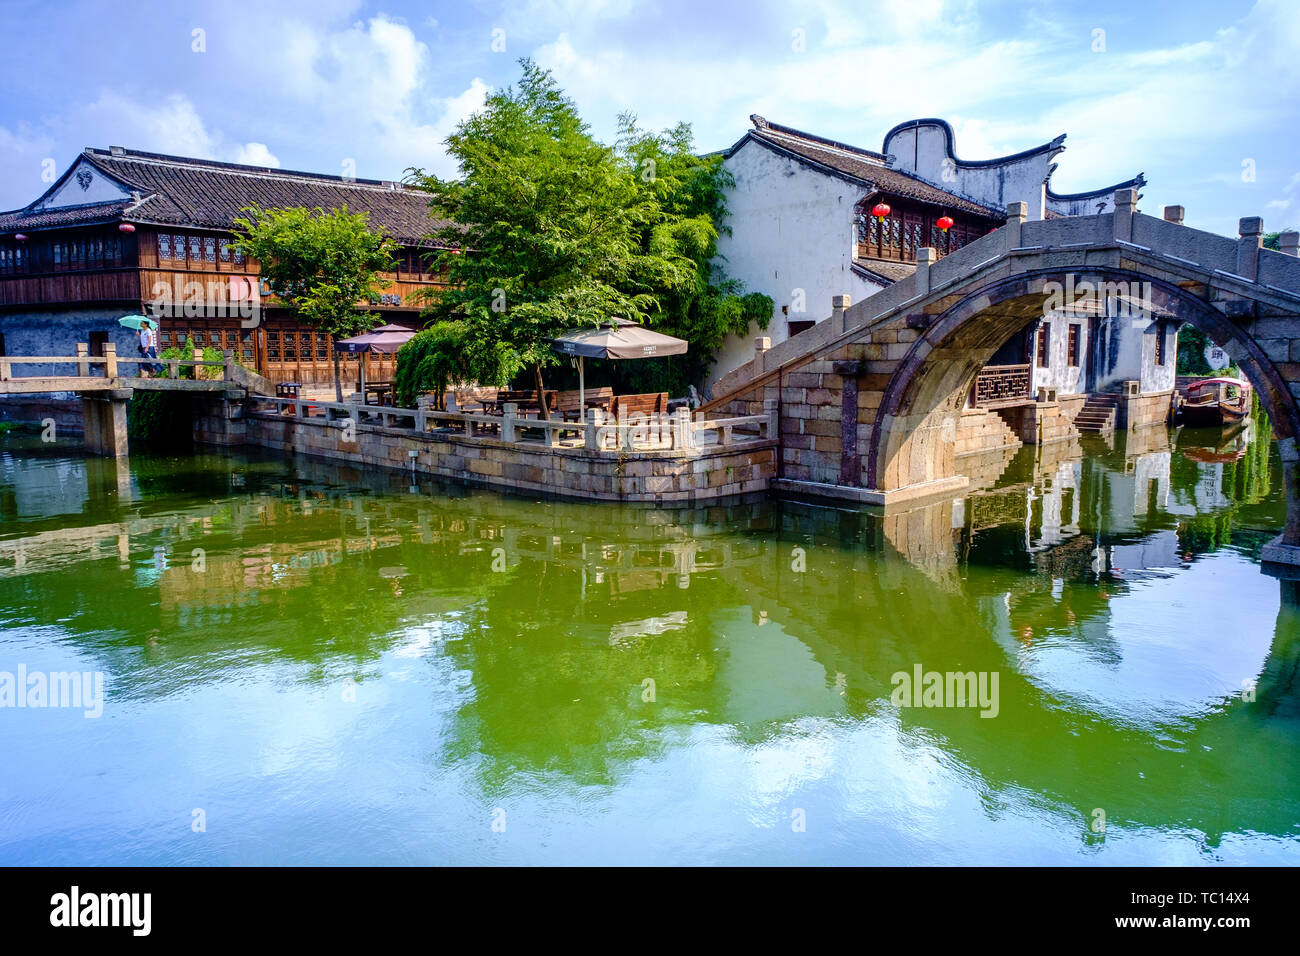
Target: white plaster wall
x,y
791,229
1089,206
100,189
1058,373
1130,353
922,151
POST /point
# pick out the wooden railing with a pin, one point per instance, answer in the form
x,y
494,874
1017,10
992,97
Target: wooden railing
x,y
670,431
1001,383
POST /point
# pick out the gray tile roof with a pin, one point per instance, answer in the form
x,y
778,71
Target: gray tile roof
x,y
205,194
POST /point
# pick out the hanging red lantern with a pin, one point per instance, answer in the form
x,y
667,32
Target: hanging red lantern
x,y
126,227
944,223
20,237
880,210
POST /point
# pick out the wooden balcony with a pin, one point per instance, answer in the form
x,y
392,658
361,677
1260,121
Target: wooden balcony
x,y
106,285
1002,385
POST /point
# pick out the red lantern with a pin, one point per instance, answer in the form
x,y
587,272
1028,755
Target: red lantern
x,y
944,223
126,227
20,237
880,210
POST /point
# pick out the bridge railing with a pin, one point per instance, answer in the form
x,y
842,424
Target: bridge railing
x,y
659,432
104,366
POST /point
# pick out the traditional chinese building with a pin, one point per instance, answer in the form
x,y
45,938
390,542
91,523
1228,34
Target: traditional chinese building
x,y
804,228
125,231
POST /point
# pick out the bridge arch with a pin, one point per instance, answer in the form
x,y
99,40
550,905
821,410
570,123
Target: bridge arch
x,y
912,441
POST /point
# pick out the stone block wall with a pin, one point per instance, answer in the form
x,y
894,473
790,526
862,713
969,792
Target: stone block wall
x,y
1143,409
654,477
980,430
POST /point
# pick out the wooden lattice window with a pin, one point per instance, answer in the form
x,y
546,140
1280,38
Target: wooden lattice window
x,y
209,249
1072,346
1044,345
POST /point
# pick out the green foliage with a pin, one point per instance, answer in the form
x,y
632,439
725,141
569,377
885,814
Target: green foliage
x,y
429,362
1191,352
320,264
688,195
163,418
563,232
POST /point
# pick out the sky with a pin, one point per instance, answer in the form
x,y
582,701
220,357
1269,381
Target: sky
x,y
1201,95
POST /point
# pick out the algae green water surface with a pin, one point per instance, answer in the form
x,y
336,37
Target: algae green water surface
x,y
304,663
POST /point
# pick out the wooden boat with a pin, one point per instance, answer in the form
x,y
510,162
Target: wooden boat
x,y
1212,402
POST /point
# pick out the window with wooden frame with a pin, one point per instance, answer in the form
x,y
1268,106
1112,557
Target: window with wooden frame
x,y
1044,345
1160,343
1072,346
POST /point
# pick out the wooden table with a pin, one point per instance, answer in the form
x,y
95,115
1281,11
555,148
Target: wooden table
x,y
382,391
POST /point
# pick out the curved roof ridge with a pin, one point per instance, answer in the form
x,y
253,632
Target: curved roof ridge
x,y
950,138
762,123
1137,182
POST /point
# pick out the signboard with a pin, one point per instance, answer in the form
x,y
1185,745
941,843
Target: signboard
x,y
1216,358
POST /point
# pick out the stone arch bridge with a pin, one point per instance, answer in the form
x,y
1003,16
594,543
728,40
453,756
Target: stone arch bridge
x,y
871,400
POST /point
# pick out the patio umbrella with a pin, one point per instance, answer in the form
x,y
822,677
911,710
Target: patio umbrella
x,y
615,339
384,340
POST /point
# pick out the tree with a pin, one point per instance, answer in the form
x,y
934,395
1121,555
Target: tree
x,y
320,264
430,361
559,230
688,195
1273,240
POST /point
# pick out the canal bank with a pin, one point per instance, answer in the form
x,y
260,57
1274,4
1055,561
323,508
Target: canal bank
x,y
670,459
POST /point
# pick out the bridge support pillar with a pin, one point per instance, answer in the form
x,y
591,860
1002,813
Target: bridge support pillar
x,y
104,415
1285,548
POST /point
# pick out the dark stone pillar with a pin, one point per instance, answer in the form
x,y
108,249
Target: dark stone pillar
x,y
850,457
104,415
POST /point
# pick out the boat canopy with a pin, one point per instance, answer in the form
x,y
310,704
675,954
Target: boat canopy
x,y
1205,382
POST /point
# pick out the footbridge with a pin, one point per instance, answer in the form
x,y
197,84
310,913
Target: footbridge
x,y
871,400
104,387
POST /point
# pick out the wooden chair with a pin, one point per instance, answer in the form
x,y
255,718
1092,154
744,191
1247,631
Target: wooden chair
x,y
566,403
651,403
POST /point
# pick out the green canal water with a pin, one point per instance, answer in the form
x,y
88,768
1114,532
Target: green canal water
x,y
304,663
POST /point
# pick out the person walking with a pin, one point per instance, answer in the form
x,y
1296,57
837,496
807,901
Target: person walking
x,y
149,349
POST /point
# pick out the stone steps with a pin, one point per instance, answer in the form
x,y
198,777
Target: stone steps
x,y
1098,414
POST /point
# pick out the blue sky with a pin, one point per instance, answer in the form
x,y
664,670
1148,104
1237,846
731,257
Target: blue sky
x,y
1202,96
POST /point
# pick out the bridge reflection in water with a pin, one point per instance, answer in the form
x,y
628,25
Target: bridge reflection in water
x,y
499,651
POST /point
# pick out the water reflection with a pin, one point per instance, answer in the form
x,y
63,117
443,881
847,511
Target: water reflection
x,y
661,684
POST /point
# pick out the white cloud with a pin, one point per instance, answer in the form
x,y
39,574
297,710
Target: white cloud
x,y
256,154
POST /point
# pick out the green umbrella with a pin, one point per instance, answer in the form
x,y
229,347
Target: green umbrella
x,y
137,322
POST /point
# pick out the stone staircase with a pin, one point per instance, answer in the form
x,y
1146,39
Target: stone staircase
x,y
1098,414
